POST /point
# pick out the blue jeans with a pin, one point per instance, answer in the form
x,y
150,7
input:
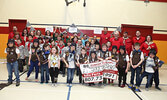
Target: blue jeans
x,y
10,67
44,67
32,65
70,75
137,71
150,75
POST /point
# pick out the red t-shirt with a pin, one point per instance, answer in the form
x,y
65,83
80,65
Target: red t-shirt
x,y
139,40
117,42
146,45
104,38
128,45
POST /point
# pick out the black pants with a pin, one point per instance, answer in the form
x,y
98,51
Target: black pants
x,y
21,64
122,74
54,71
62,67
80,75
155,78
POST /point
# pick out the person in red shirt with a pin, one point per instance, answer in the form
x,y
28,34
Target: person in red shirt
x,y
127,42
11,35
116,40
105,37
147,45
138,38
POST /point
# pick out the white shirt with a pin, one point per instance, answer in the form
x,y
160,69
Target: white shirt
x,y
70,60
54,60
149,65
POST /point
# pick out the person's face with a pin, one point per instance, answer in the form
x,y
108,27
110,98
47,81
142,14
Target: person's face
x,y
108,44
87,44
148,38
137,47
94,37
61,43
104,48
121,51
75,39
48,33
83,52
72,48
47,48
53,43
25,31
38,33
18,42
114,50
68,44
35,44
152,55
58,38
56,34
105,30
116,35
40,41
32,33
137,33
14,29
92,42
30,38
93,55
10,44
97,47
17,36
54,50
65,35
125,35
84,37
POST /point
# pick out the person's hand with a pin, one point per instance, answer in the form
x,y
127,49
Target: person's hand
x,y
126,71
29,63
39,64
135,66
67,65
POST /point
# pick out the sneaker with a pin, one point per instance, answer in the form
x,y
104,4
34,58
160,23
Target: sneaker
x,y
46,82
146,89
122,86
53,84
130,86
9,83
17,83
137,89
70,85
158,88
41,82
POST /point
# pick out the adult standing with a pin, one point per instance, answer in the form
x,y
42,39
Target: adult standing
x,y
116,40
148,45
138,38
105,36
127,42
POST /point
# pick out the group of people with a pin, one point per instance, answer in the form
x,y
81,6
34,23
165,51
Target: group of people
x,y
51,54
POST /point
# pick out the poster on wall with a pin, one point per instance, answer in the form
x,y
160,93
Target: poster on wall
x,y
97,31
95,72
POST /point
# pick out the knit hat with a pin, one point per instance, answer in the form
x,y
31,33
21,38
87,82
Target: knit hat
x,y
152,51
122,47
36,40
114,47
11,41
